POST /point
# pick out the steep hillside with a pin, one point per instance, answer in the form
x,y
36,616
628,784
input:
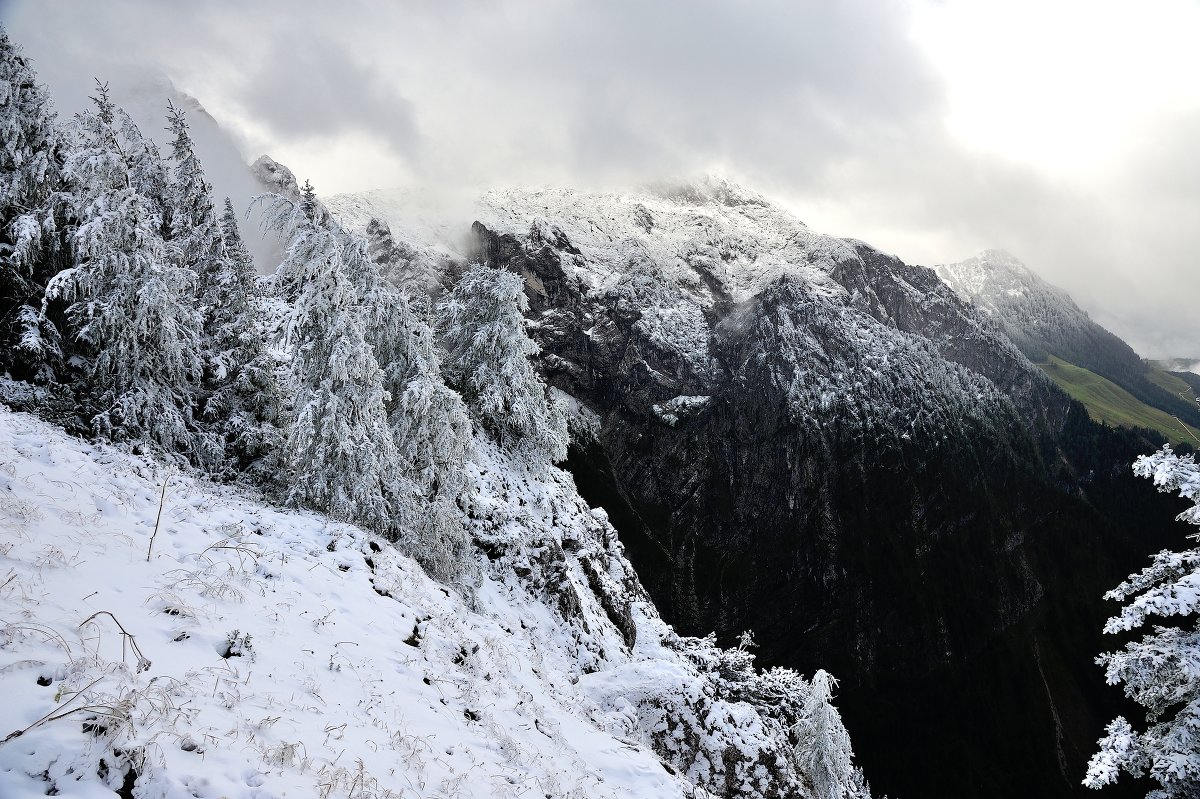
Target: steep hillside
x,y
161,636
803,436
1043,320
1109,403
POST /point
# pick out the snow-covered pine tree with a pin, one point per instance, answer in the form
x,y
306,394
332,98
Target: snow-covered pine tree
x,y
339,449
30,170
133,326
194,242
240,399
824,751
1161,672
147,172
428,419
247,401
195,234
487,359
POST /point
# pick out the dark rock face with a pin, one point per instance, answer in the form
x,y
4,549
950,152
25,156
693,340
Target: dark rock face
x,y
835,473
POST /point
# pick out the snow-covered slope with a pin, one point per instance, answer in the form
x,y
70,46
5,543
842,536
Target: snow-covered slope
x,y
711,233
219,647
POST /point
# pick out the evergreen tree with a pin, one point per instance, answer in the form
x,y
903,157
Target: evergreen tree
x,y
30,170
488,352
1161,672
133,325
240,396
196,237
308,200
428,420
247,400
339,449
146,172
823,743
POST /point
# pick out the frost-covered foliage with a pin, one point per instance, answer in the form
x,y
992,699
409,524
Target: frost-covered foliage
x,y
1161,671
732,729
429,420
30,153
339,450
240,398
130,309
243,402
28,138
487,359
825,751
836,363
405,475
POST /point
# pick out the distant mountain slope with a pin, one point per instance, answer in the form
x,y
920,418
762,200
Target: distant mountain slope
x,y
1191,378
1043,320
1109,403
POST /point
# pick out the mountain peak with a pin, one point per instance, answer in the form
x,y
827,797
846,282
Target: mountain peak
x,y
706,190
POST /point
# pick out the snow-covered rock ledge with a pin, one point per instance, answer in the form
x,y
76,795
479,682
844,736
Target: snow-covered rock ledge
x,y
231,649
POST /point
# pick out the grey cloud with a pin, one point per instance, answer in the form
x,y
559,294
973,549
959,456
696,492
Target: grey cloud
x,y
829,105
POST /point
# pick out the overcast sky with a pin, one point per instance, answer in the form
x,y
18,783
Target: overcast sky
x,y
1065,132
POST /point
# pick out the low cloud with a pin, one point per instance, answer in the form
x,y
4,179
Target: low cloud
x,y
832,107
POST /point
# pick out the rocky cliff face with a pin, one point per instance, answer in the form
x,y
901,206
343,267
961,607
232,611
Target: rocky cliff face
x,y
803,436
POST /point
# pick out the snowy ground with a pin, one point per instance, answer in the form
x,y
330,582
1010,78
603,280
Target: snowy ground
x,y
351,673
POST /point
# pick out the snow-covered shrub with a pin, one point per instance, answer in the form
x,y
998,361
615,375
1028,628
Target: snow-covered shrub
x,y
1161,672
740,732
238,645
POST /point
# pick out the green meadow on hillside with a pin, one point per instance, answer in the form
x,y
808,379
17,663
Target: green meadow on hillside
x,y
1109,403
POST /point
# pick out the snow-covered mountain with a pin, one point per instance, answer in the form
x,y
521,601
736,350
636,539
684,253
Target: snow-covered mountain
x,y
1042,319
685,258
801,435
170,637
